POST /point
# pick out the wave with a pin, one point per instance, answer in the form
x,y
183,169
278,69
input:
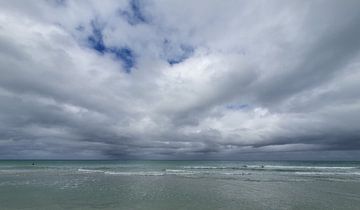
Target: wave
x,y
125,173
90,170
327,173
235,171
139,173
217,167
310,167
271,168
204,167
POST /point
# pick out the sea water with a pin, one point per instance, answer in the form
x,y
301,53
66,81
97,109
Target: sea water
x,y
179,185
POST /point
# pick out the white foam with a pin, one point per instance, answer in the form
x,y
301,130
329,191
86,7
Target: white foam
x,y
203,167
180,172
309,167
90,170
328,173
139,173
175,170
124,173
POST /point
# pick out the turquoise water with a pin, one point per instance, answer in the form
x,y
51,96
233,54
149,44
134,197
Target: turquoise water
x,y
179,185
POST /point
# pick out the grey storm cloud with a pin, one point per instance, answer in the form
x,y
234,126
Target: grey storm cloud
x,y
180,79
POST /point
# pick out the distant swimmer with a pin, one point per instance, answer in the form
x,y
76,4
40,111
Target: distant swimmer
x,y
262,166
33,164
244,166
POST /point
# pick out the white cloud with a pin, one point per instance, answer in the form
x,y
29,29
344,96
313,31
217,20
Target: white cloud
x,y
209,79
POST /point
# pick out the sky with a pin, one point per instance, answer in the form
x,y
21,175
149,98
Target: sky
x,y
180,79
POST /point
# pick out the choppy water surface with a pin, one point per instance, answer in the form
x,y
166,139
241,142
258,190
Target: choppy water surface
x,y
179,185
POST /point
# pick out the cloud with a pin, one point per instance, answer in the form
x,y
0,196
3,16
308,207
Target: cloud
x,y
180,80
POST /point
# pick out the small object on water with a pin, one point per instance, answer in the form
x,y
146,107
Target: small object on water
x,y
262,166
245,166
33,164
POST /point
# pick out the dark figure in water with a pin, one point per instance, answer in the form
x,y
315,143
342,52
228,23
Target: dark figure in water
x,y
262,166
33,164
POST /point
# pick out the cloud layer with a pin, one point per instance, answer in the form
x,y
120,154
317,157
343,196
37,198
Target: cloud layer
x,y
180,79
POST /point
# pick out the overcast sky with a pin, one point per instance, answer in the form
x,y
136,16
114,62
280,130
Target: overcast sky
x,y
160,79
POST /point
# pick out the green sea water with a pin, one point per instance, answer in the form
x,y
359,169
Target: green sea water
x,y
179,185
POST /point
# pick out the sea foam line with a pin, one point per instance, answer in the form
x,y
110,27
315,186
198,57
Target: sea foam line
x,y
138,173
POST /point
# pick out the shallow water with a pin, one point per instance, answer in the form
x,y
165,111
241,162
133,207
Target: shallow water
x,y
179,185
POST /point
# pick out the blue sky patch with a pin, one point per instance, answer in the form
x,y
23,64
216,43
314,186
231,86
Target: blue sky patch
x,y
181,53
134,14
96,39
124,54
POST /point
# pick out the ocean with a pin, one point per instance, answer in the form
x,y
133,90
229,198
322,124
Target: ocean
x,y
179,185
